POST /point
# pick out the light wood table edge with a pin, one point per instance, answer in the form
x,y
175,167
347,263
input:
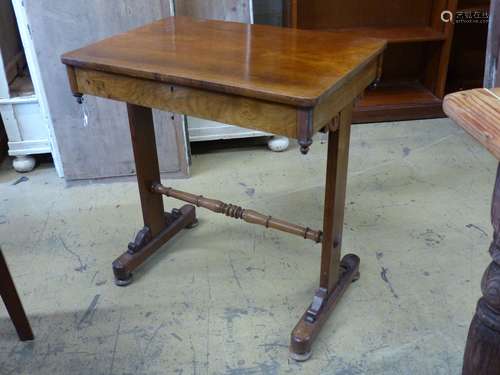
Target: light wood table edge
x,y
456,111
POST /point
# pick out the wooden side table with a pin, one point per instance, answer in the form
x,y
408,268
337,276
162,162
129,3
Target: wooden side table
x,y
13,303
478,112
281,81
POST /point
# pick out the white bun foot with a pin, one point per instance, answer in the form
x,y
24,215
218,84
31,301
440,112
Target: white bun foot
x,y
278,144
24,164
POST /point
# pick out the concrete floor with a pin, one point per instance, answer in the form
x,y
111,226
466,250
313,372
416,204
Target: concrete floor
x,y
223,298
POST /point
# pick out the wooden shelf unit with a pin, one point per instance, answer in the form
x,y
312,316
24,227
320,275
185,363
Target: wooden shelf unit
x,y
415,64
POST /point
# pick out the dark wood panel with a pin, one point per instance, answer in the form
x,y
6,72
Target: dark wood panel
x,y
473,4
396,102
412,54
468,57
438,55
321,14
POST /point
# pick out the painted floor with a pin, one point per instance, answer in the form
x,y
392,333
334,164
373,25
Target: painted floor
x,y
223,298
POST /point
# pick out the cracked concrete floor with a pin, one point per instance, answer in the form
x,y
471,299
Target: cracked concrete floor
x,y
223,298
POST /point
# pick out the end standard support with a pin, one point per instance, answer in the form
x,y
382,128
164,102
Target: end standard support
x,y
145,246
309,326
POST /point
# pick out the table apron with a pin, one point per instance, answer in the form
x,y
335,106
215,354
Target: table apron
x,y
270,117
275,118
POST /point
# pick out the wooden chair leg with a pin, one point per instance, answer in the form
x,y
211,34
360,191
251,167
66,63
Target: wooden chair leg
x,y
159,226
482,352
13,303
336,275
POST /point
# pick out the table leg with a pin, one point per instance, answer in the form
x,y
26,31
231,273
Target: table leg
x,y
336,275
482,352
13,303
159,226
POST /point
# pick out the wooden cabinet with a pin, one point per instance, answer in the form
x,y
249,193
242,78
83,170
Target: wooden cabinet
x,y
415,71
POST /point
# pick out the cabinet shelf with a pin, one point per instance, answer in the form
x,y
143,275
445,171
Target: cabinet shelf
x,y
396,102
405,34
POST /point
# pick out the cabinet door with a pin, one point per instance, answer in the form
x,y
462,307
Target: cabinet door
x,y
103,147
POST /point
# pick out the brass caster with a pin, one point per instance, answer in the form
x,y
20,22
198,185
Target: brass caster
x,y
356,277
124,282
194,224
302,357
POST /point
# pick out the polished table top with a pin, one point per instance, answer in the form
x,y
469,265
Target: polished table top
x,y
478,112
290,66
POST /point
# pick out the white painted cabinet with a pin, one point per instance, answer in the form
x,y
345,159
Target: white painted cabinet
x,y
22,100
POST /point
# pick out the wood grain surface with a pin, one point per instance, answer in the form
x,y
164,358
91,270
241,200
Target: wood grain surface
x,y
251,113
289,66
478,112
